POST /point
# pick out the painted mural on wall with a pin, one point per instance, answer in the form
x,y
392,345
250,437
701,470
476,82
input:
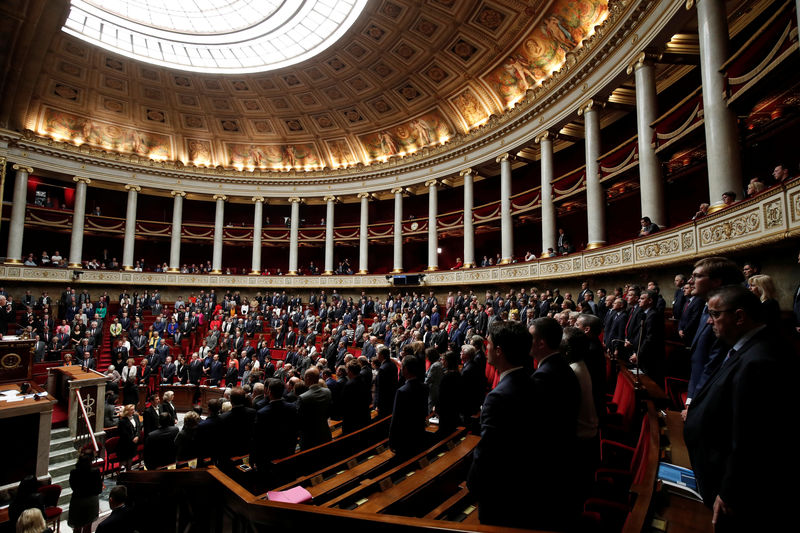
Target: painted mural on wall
x,y
544,49
340,153
62,125
424,130
470,107
272,155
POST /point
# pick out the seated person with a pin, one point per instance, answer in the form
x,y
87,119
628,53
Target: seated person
x,y
648,228
728,198
159,447
701,212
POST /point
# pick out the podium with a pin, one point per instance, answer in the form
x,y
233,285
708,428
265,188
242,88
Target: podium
x,y
25,417
66,383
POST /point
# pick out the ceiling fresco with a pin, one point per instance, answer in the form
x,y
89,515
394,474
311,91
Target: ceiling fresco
x,y
408,75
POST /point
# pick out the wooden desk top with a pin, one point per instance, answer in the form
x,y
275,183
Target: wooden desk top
x,y
45,403
75,372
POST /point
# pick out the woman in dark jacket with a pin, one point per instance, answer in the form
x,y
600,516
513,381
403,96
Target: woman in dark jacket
x,y
27,497
451,395
128,436
86,484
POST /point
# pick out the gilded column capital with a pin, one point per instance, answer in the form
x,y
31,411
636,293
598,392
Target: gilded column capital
x,y
132,187
295,200
504,157
466,171
367,195
590,105
642,59
25,168
330,198
257,199
398,190
432,183
544,136
178,193
220,197
81,179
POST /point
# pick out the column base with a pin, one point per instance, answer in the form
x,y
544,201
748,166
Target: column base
x,y
127,268
216,271
292,273
74,265
468,266
595,245
432,268
174,270
13,261
505,261
396,271
328,273
254,273
362,272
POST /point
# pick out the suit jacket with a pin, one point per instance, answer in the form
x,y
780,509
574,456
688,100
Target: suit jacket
x,y
386,387
690,318
149,420
651,353
355,405
506,431
557,395
706,352
474,384
735,434
407,433
614,330
237,427
276,429
159,448
167,407
209,437
313,408
119,521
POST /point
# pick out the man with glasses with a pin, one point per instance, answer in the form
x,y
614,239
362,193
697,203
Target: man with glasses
x,y
708,274
735,429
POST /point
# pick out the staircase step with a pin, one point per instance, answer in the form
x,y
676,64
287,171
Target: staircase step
x,y
58,470
61,443
59,433
64,455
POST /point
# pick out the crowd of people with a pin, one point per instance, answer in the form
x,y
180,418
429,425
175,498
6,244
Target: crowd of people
x,y
530,364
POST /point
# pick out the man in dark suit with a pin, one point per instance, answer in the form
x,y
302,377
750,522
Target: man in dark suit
x,y
735,428
168,407
649,351
215,371
473,382
168,371
355,400
119,521
210,433
503,458
313,409
195,369
708,274
386,383
150,415
407,434
614,330
690,315
159,448
237,425
557,396
276,427
679,299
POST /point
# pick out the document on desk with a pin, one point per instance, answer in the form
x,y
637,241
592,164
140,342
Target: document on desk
x,y
679,480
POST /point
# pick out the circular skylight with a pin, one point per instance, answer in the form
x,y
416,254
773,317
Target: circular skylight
x,y
216,36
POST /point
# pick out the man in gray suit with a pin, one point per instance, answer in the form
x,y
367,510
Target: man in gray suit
x,y
313,408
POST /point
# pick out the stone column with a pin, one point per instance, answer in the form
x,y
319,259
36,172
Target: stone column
x,y
595,198
506,223
219,221
398,230
293,235
175,240
363,234
433,233
130,227
469,232
258,220
78,220
651,184
16,228
722,136
330,200
545,141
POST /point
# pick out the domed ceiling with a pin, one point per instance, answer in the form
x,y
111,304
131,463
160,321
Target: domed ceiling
x,y
406,75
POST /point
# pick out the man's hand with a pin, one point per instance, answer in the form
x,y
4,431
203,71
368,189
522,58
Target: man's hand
x,y
719,509
684,413
633,359
681,334
628,343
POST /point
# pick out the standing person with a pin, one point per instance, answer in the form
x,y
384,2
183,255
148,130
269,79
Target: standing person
x,y
313,409
503,456
735,428
86,484
407,433
118,521
450,398
128,427
386,383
